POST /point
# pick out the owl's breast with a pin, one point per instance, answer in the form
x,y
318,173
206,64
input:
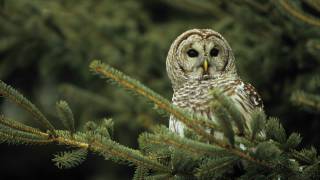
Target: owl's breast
x,y
194,96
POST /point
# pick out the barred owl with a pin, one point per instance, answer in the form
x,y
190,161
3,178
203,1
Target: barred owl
x,y
198,61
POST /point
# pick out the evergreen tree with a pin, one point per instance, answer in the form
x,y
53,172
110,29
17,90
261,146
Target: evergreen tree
x,y
46,46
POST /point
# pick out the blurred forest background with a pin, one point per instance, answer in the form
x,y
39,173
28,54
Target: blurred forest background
x,y
46,47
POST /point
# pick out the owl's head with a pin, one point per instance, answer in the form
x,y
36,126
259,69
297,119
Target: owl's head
x,y
199,54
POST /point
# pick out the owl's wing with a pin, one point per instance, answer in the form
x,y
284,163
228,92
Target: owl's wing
x,y
253,95
245,98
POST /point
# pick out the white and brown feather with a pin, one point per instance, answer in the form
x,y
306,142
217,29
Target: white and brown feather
x,y
194,96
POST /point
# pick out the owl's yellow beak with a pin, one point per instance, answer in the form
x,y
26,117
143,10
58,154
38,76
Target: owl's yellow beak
x,y
205,65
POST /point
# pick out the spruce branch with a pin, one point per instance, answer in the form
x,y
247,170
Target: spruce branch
x,y
160,176
19,126
69,159
14,136
140,173
311,101
224,119
65,114
13,95
162,136
274,130
108,149
294,12
15,133
212,166
306,156
292,142
258,120
313,4
112,149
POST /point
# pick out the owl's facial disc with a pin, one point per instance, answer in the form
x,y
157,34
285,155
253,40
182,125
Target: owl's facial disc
x,y
204,59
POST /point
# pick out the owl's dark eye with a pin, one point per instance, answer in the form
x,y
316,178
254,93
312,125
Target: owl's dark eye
x,y
192,53
214,52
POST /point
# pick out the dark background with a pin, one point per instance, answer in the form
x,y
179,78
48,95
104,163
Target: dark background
x,y
46,47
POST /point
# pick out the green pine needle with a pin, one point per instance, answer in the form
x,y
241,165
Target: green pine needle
x,y
167,138
119,153
215,167
13,95
65,114
275,131
267,151
293,141
160,176
224,119
13,136
19,126
69,159
140,173
258,120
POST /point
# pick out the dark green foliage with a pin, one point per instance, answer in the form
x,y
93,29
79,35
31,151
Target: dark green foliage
x,y
293,141
166,154
216,167
69,159
257,123
140,173
267,151
44,44
275,131
306,100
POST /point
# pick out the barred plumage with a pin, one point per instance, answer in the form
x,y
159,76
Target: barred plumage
x,y
198,61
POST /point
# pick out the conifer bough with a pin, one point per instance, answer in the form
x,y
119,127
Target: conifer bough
x,y
267,149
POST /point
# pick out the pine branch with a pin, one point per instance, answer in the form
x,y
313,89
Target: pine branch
x,y
305,156
162,136
19,126
113,149
21,138
224,119
313,4
108,149
258,120
14,136
16,133
13,95
275,131
294,12
69,159
65,114
212,166
140,173
311,101
292,142
159,176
